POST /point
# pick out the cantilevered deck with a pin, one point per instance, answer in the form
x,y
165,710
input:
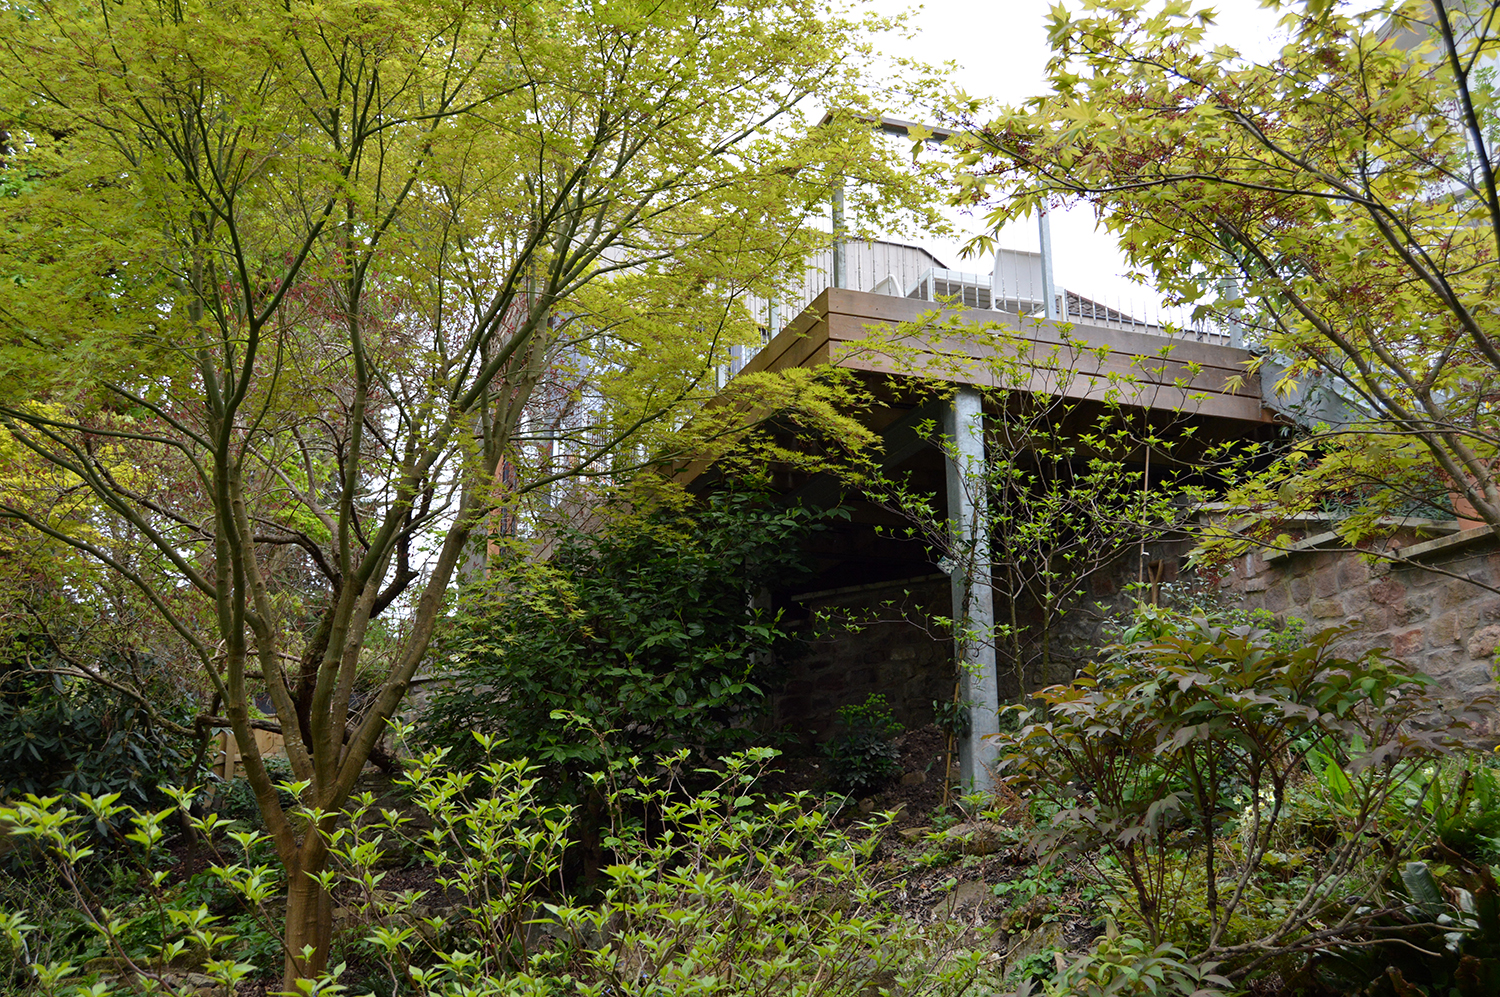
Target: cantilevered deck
x,y
858,330
1195,392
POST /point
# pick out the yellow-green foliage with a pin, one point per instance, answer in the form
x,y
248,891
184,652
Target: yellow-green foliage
x,y
723,892
1333,197
336,281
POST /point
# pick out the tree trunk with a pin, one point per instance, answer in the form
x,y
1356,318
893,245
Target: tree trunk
x,y
309,922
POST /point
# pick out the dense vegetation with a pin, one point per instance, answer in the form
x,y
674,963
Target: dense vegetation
x,y
1231,806
306,307
645,638
299,302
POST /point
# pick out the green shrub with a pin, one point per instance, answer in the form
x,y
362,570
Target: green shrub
x,y
1179,759
62,734
724,892
1463,802
1126,966
646,631
860,753
1443,941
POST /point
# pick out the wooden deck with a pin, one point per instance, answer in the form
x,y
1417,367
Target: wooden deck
x,y
857,330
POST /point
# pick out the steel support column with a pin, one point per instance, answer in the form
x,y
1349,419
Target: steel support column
x,y
973,598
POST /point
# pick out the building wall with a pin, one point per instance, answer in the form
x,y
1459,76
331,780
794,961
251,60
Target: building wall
x,y
897,652
1443,625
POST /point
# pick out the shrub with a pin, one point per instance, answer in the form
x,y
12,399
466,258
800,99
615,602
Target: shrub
x,y
860,753
1442,941
646,631
723,892
1125,966
61,734
1145,756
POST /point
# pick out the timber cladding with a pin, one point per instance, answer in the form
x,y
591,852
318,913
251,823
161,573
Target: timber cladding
x,y
854,329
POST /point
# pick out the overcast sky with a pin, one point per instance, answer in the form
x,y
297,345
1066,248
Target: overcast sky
x,y
1001,49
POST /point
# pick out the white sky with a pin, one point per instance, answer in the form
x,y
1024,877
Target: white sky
x,y
1001,51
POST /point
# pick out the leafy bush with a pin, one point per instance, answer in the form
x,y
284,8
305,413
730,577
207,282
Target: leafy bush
x,y
1463,803
1442,941
1125,966
646,631
61,734
725,892
860,753
59,931
1145,756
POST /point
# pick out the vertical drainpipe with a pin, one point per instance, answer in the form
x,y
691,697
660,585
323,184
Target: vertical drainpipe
x,y
840,262
1049,286
973,598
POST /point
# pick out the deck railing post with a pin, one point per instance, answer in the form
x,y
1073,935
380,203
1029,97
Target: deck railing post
x,y
1053,308
840,253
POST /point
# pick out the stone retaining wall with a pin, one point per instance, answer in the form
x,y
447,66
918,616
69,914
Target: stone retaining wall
x,y
1424,607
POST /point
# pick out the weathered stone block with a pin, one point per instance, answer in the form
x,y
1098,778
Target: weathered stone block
x,y
1455,593
1388,592
1442,660
1351,571
1482,642
1470,680
1302,591
1325,581
1327,609
1404,614
1275,599
1406,644
1446,629
1355,602
1375,618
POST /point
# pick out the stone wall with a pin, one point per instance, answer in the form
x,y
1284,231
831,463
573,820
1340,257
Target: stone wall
x,y
1424,606
899,653
896,652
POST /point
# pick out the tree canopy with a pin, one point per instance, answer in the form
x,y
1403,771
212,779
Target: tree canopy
x,y
288,287
1338,201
